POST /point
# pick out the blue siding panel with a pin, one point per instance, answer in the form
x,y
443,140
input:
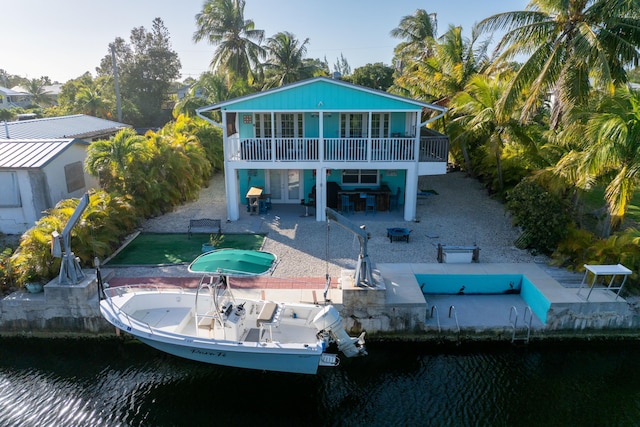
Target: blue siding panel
x,y
322,95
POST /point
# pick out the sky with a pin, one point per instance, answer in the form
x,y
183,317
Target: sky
x,y
63,39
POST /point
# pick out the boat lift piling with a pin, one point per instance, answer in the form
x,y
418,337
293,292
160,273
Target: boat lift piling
x,y
363,276
70,270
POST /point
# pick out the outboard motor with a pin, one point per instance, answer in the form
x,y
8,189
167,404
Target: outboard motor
x,y
329,320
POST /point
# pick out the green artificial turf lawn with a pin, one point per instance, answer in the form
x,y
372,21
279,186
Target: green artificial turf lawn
x,y
154,249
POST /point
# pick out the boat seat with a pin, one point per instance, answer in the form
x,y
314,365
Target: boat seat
x,y
206,321
268,313
269,316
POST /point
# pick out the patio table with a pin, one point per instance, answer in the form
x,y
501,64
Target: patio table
x,y
399,233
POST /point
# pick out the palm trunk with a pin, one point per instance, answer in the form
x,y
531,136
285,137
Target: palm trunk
x,y
499,172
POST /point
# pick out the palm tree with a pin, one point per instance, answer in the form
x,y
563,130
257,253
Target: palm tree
x,y
38,93
90,100
439,77
570,45
285,63
608,151
113,161
418,31
6,114
215,88
222,24
485,122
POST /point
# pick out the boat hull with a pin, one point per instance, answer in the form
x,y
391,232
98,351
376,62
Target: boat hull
x,y
265,361
301,357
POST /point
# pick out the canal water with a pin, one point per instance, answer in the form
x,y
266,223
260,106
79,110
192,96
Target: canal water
x,y
125,383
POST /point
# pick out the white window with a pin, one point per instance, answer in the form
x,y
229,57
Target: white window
x,y
289,125
9,190
380,125
263,125
360,177
353,125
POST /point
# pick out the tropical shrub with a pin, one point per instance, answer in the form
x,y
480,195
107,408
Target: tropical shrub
x,y
572,252
7,279
104,223
622,247
544,217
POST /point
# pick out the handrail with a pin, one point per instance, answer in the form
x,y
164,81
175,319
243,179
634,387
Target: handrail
x,y
437,317
527,325
524,319
455,315
340,149
514,322
121,290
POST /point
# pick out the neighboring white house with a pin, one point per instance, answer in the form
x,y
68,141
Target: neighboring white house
x,y
37,174
10,98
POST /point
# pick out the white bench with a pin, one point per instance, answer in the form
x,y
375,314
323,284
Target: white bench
x,y
458,254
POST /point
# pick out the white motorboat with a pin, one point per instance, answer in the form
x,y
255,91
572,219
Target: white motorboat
x,y
209,324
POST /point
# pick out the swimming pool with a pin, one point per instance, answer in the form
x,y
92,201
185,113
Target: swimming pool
x,y
486,284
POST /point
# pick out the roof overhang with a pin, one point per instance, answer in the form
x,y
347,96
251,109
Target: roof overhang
x,y
229,103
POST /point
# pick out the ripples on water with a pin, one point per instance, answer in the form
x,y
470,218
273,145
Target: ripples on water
x,y
114,383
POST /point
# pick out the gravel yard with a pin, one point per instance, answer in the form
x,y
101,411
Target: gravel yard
x,y
460,214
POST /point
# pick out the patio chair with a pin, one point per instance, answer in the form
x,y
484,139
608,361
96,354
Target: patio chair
x,y
394,200
346,205
370,204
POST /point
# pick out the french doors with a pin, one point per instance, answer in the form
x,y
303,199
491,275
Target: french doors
x,y
285,186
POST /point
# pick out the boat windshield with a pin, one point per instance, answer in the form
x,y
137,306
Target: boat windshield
x,y
234,262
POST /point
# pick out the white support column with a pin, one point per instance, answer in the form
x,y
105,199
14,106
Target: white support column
x,y
273,137
321,194
410,194
416,151
225,138
230,175
321,138
369,137
232,188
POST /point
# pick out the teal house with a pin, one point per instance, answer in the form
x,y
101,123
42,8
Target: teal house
x,y
325,142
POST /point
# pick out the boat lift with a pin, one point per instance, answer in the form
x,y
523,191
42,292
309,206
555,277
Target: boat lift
x,y
70,270
363,276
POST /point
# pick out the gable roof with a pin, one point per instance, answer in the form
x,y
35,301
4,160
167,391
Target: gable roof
x,y
76,126
11,92
334,94
33,154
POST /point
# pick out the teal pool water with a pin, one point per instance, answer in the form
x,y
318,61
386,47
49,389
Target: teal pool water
x,y
476,284
539,304
486,284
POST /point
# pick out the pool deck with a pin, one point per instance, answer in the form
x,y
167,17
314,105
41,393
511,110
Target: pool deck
x,y
396,305
476,313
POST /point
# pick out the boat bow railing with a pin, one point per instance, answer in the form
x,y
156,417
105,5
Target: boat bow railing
x,y
112,292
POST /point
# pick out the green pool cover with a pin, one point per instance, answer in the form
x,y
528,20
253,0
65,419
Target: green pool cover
x,y
234,262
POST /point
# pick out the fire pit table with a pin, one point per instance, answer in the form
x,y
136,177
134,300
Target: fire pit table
x,y
398,233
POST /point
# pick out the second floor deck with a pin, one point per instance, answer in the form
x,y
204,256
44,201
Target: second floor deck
x,y
374,150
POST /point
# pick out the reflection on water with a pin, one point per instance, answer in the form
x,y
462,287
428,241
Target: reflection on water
x,y
116,383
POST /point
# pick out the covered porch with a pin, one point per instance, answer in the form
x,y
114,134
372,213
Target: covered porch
x,y
432,148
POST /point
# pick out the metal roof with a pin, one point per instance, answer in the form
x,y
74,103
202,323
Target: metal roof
x,y
11,92
76,126
25,154
315,80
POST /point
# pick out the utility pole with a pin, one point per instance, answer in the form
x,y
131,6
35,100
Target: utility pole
x,y
115,80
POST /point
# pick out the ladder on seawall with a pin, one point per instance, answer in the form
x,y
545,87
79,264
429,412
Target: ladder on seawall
x,y
452,311
513,320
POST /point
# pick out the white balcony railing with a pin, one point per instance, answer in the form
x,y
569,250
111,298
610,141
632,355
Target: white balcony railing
x,y
396,149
